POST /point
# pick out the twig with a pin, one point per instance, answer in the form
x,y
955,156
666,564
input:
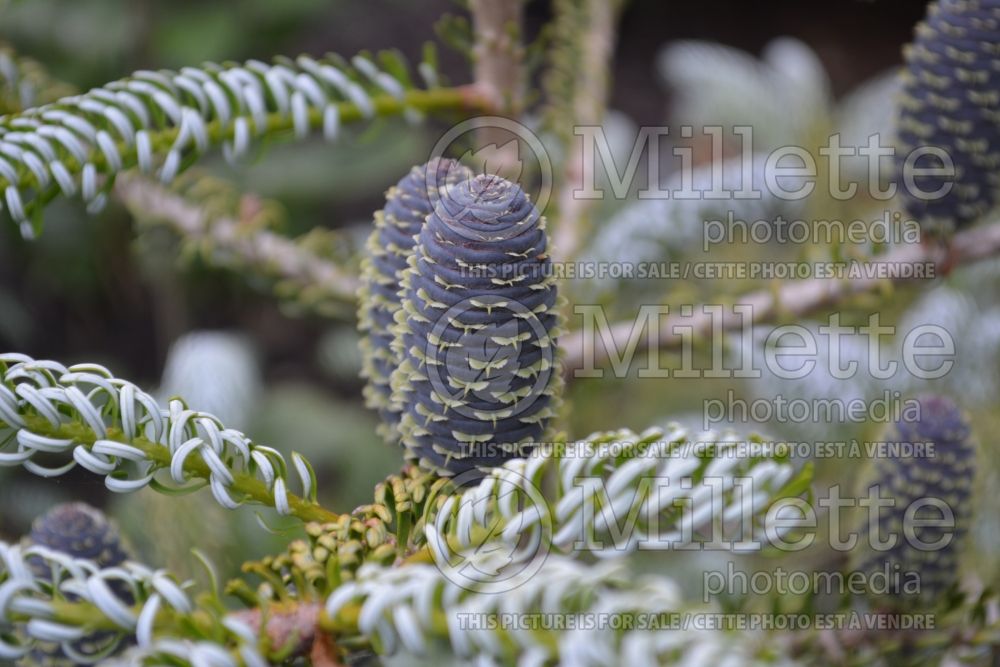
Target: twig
x,y
272,254
499,73
594,35
793,298
498,53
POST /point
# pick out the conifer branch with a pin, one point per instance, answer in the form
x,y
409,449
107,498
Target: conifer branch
x,y
794,297
300,274
112,428
161,122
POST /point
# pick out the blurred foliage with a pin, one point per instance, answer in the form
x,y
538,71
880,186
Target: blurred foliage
x,y
100,289
123,300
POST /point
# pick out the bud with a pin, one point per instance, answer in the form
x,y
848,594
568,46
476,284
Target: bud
x,y
951,93
407,205
927,490
475,334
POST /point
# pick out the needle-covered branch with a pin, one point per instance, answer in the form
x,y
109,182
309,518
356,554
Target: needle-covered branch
x,y
161,122
112,428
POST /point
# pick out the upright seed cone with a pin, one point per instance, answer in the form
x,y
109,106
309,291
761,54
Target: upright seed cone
x,y
476,333
925,488
951,101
